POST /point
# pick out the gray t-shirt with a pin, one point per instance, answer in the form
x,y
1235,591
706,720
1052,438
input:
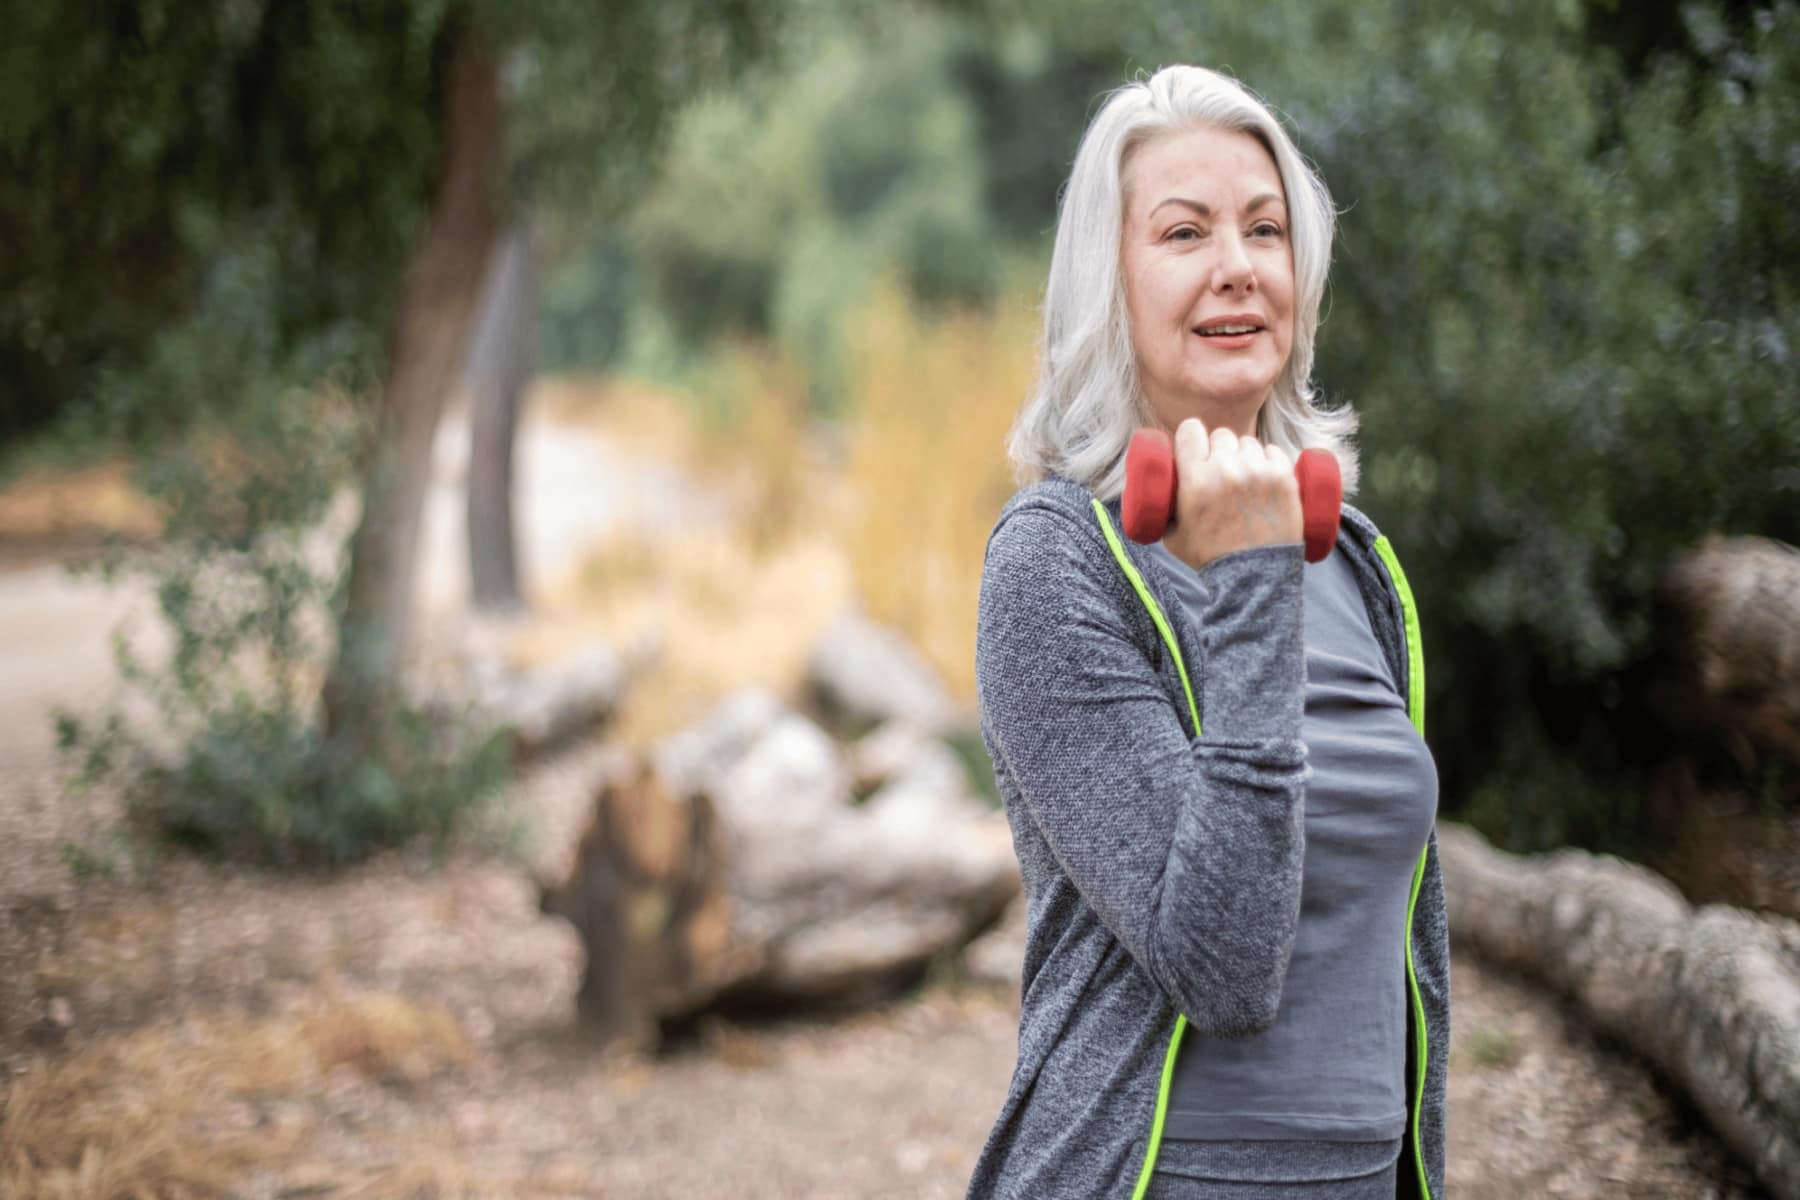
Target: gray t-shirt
x,y
1330,1067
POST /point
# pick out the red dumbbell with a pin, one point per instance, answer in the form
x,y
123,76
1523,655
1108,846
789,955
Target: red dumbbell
x,y
1148,508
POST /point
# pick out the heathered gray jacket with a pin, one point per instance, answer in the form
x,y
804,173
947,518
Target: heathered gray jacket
x,y
1162,871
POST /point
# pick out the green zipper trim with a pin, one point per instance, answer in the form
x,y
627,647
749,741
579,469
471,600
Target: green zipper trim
x,y
1415,645
1156,613
1168,635
1415,708
1162,1110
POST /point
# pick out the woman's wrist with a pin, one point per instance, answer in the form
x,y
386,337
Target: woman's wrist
x,y
1253,680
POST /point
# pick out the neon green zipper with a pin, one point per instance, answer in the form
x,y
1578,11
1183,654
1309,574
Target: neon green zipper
x,y
1415,709
1168,636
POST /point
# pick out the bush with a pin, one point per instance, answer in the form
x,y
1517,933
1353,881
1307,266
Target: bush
x,y
232,759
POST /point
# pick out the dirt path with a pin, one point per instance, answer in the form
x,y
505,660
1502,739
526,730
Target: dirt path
x,y
890,1103
56,628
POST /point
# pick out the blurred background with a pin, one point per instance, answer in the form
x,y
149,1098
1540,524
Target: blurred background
x,y
492,502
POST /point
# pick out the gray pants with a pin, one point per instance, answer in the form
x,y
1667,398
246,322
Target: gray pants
x,y
1383,1185
1246,1170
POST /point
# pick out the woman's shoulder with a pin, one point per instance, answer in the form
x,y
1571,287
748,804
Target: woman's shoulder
x,y
1052,516
1050,543
1062,500
1058,555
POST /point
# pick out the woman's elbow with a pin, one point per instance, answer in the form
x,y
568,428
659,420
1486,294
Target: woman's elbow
x,y
1240,1002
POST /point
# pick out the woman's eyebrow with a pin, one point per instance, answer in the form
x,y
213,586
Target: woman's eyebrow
x,y
1204,211
1198,207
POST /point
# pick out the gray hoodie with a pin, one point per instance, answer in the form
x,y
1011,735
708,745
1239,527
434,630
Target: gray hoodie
x,y
1162,871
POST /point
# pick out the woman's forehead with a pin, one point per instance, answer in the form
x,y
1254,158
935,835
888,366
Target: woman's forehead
x,y
1206,164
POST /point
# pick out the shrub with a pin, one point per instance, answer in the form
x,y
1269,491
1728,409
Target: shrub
x,y
231,758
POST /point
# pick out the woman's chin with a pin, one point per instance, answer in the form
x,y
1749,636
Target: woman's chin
x,y
1235,403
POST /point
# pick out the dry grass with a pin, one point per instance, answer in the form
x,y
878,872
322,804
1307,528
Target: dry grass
x,y
725,606
899,525
927,472
52,507
721,614
641,418
171,1112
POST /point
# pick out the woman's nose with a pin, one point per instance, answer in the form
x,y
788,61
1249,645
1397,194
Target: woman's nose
x,y
1233,271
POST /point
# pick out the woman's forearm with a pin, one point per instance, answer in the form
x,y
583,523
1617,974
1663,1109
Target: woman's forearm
x,y
1189,850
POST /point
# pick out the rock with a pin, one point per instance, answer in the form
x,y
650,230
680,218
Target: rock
x,y
549,707
853,902
61,1014
1728,634
790,779
862,674
731,868
697,757
1725,689
884,753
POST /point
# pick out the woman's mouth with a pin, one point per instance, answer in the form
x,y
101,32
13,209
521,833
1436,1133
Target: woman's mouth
x,y
1229,327
1233,334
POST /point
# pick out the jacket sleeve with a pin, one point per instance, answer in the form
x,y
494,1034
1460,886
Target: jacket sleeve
x,y
1188,850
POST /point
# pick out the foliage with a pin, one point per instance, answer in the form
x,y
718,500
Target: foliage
x,y
781,205
585,308
137,149
231,757
208,209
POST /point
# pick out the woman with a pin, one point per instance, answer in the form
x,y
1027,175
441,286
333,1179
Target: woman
x,y
1236,974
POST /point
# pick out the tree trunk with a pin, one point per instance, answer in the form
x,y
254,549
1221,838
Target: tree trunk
x,y
1710,996
500,364
425,353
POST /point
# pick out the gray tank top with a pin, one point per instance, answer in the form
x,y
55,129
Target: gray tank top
x,y
1330,1068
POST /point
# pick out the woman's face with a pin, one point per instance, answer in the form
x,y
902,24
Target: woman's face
x,y
1209,275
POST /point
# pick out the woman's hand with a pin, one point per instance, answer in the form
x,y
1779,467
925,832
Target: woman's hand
x,y
1235,493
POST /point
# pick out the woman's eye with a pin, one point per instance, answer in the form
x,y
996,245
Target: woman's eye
x,y
1267,229
1183,233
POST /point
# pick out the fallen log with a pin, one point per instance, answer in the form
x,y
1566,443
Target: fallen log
x,y
1710,996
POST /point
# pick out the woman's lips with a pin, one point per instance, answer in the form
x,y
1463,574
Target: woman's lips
x,y
1229,341
1230,331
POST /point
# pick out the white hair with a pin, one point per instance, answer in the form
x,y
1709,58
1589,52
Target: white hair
x,y
1088,399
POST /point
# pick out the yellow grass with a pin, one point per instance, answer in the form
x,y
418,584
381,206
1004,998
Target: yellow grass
x,y
171,1112
637,416
48,505
897,523
927,471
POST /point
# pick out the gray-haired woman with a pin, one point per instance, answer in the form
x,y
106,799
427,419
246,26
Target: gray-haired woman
x,y
1237,968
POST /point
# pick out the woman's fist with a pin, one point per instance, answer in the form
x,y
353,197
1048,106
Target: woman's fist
x,y
1235,493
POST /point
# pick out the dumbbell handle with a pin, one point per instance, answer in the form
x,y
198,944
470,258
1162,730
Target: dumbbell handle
x,y
1148,508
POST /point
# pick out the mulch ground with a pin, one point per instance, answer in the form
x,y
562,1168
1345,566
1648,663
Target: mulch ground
x,y
893,1102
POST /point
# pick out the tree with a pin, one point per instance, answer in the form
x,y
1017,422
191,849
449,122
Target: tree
x,y
501,357
374,154
430,326
424,356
